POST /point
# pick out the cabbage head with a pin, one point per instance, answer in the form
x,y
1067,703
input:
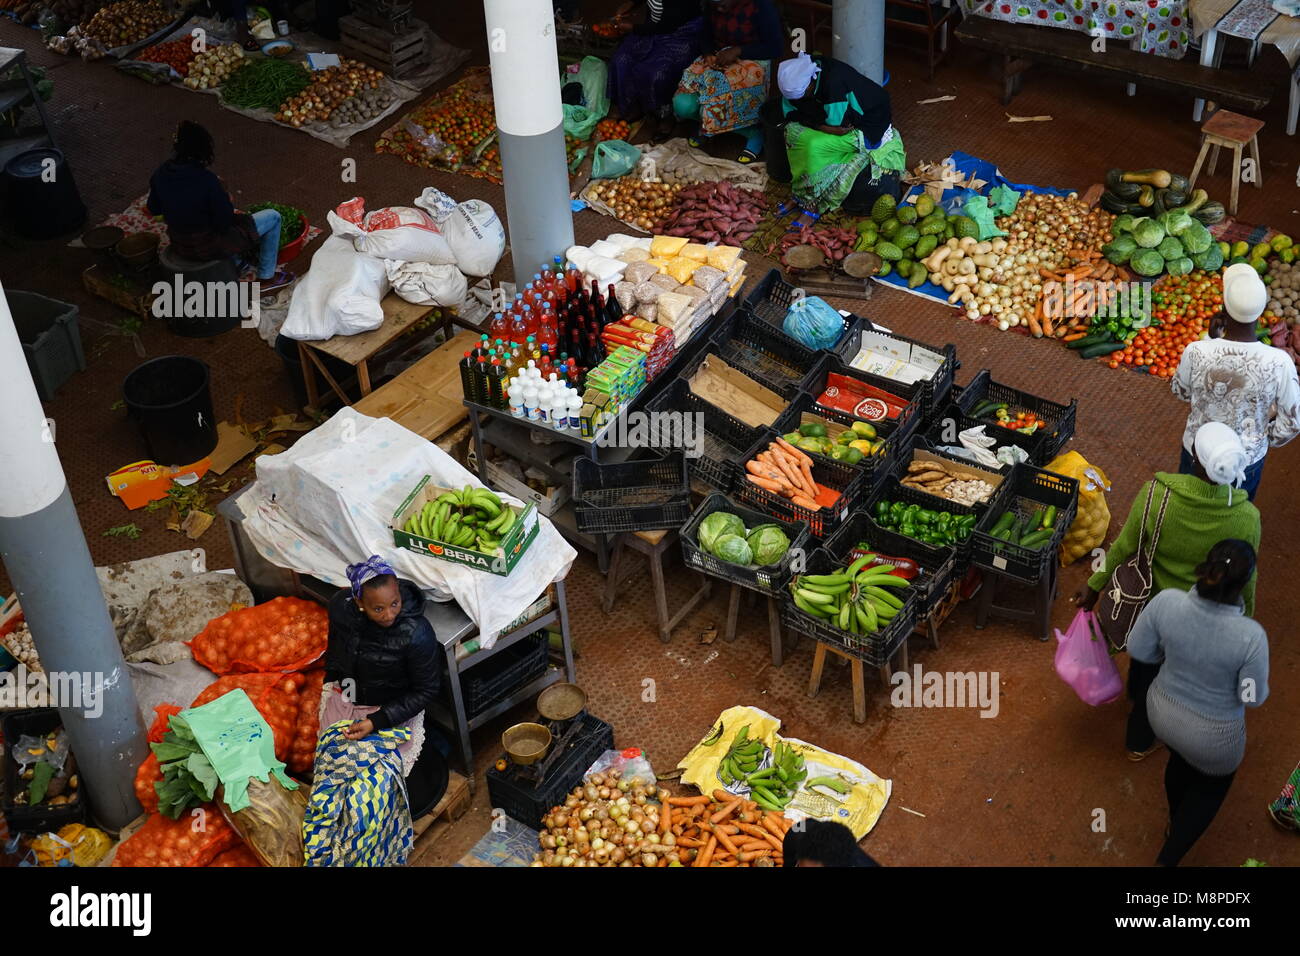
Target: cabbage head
x,y
1196,238
1148,233
1122,224
717,525
1147,262
1211,260
1176,221
769,544
733,548
1119,249
1180,266
1169,248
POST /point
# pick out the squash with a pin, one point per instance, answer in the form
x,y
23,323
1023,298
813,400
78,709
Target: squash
x,y
1195,201
1158,178
1172,198
1210,213
1120,189
1112,203
1147,197
1178,183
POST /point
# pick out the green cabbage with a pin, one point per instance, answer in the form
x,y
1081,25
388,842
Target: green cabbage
x,y
1122,223
1196,238
1148,232
1118,250
1180,266
733,548
1211,260
769,544
1176,221
1147,262
717,525
1170,248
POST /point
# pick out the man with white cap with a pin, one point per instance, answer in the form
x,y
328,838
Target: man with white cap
x,y
842,150
1234,378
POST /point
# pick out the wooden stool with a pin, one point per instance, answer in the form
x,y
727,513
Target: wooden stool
x,y
859,679
1040,614
652,544
1234,131
773,621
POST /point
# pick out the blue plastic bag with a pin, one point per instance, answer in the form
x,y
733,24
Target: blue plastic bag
x,y
814,323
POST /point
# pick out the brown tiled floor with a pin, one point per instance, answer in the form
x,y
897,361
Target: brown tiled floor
x,y
1019,789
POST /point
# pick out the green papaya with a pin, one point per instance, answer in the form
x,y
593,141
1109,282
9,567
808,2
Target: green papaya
x,y
918,277
904,267
924,246
889,227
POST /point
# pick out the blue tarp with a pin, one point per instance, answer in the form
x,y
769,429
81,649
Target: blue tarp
x,y
953,199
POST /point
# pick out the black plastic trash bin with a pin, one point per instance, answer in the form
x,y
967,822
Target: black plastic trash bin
x,y
170,400
41,194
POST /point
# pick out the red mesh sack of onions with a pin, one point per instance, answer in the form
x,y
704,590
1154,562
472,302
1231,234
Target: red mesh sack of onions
x,y
189,841
150,772
275,696
239,855
284,634
302,751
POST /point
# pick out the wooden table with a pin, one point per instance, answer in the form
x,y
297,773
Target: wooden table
x,y
357,350
1256,22
427,398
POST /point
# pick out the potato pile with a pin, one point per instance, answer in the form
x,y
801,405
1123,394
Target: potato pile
x,y
212,67
1284,290
19,643
362,107
126,22
642,204
330,88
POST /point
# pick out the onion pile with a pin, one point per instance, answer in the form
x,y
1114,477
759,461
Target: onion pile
x,y
607,822
642,204
1041,234
330,88
211,67
19,643
129,21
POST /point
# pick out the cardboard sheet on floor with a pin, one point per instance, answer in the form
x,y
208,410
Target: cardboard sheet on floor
x,y
232,446
859,809
736,393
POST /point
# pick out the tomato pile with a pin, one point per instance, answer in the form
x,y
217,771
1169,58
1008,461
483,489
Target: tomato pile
x,y
166,842
612,129
1182,307
282,634
461,119
178,54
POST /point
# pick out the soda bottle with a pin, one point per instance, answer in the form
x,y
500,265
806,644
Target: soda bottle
x,y
530,320
573,278
518,330
499,327
546,335
544,364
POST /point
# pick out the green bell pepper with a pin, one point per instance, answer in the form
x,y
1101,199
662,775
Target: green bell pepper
x,y
882,512
945,521
896,510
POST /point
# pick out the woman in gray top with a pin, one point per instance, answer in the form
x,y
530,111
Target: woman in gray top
x,y
1213,665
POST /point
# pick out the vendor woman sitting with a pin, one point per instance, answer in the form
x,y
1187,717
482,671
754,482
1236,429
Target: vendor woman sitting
x,y
382,667
202,222
841,149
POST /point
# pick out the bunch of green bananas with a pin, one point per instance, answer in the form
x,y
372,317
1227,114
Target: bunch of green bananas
x,y
742,758
853,600
469,517
774,787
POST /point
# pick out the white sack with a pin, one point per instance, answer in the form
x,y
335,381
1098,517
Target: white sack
x,y
394,232
339,295
476,237
426,284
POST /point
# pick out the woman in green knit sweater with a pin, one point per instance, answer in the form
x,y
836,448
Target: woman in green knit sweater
x,y
1204,508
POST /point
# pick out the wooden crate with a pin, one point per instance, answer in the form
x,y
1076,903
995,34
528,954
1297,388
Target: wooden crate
x,y
433,826
131,295
395,55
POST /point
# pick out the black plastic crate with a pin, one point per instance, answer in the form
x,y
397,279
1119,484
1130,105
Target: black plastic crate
x,y
901,466
725,437
1027,490
908,422
936,388
500,675
876,649
767,580
848,480
43,817
891,490
1060,418
875,467
772,298
938,565
648,495
528,802
952,420
764,353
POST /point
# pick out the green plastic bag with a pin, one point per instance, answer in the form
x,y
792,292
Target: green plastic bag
x,y
593,76
1003,200
977,208
579,122
614,158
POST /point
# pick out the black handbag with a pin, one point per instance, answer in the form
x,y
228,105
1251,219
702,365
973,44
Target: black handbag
x,y
1130,585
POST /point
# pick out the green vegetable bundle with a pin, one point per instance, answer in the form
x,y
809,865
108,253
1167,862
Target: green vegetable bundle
x,y
264,84
291,220
188,777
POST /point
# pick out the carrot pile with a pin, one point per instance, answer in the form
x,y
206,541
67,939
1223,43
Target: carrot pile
x,y
723,829
787,471
1071,297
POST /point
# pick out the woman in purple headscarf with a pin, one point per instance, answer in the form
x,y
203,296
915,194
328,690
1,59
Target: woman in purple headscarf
x,y
382,666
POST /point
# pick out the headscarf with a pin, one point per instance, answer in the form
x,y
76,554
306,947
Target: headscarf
x,y
1244,293
1219,450
793,76
373,567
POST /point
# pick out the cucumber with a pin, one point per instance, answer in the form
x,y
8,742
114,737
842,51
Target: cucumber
x,y
1035,539
1017,529
1092,338
1049,518
1100,349
1002,524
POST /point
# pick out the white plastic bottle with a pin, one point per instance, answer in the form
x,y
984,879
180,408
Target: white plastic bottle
x,y
543,404
560,412
575,411
530,402
516,399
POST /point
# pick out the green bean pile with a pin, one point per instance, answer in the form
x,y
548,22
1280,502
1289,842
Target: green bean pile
x,y
264,84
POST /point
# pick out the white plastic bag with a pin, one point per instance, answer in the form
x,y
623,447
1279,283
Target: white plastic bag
x,y
630,765
395,232
427,284
339,295
476,237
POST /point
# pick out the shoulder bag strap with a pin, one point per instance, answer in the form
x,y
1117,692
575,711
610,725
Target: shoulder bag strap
x,y
1146,559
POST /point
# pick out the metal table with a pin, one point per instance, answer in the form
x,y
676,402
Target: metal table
x,y
451,625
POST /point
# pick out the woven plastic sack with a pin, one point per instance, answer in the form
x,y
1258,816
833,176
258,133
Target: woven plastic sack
x,y
194,840
239,855
1083,661
284,634
302,750
614,158
277,697
814,323
1093,518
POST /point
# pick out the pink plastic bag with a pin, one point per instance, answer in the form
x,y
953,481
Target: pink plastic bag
x,y
1083,661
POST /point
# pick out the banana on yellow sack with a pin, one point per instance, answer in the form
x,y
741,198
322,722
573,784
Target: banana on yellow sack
x,y
1093,519
859,809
